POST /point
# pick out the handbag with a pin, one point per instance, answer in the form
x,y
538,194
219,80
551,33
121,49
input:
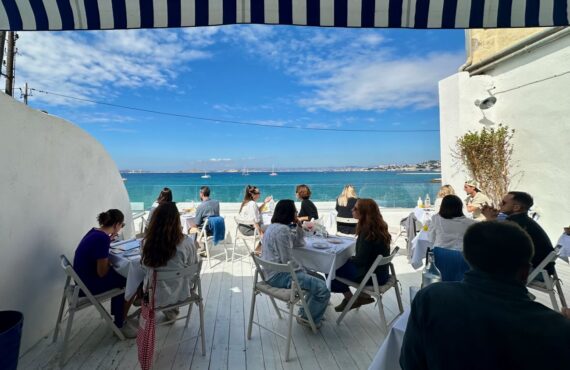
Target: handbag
x,y
147,326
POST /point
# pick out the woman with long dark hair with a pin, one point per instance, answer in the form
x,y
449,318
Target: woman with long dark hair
x,y
250,211
373,239
165,247
165,196
447,228
279,239
91,263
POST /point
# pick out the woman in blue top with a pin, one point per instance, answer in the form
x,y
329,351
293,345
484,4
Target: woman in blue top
x,y
92,264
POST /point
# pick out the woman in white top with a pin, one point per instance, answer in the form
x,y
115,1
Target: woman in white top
x,y
166,248
250,211
443,191
446,229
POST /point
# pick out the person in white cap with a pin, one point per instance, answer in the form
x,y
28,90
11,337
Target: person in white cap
x,y
475,200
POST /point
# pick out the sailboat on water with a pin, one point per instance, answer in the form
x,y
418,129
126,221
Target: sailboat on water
x,y
205,175
273,173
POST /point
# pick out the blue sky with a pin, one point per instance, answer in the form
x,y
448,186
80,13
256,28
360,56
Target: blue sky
x,y
271,75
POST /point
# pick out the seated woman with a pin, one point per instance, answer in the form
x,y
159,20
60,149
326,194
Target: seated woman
x,y
443,191
279,239
344,205
165,247
91,262
308,209
373,239
446,229
164,196
250,211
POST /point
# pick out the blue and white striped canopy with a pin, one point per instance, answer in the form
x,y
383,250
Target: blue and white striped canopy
x,y
17,15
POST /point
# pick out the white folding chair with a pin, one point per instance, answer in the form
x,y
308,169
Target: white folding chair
x,y
75,303
551,284
255,238
345,220
207,240
192,273
375,289
289,296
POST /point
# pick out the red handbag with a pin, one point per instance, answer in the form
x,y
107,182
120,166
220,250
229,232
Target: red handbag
x,y
147,325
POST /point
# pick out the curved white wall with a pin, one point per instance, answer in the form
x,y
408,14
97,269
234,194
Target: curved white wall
x,y
540,114
54,180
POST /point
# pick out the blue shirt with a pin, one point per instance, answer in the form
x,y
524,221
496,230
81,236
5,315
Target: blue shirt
x,y
94,246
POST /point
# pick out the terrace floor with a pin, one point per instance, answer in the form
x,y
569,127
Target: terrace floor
x,y
227,292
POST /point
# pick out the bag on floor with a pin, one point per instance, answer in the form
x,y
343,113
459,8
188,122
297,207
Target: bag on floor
x,y
147,326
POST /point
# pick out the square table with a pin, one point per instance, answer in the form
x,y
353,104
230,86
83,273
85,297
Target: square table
x,y
420,246
326,260
128,264
564,242
187,220
388,356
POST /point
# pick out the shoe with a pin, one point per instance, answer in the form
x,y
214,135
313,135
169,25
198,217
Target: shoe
x,y
342,305
305,322
203,254
171,315
361,301
129,330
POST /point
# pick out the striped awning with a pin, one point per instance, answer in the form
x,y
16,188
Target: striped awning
x,y
17,15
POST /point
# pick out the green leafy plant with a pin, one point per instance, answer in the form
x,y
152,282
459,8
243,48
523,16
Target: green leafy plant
x,y
487,156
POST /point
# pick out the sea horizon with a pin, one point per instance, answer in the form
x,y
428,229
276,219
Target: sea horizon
x,y
388,188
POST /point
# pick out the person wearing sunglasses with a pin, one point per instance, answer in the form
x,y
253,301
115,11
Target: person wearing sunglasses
x,y
91,263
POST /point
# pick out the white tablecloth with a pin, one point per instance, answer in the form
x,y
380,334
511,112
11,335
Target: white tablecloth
x,y
129,267
423,215
388,356
564,242
325,260
420,245
266,218
187,221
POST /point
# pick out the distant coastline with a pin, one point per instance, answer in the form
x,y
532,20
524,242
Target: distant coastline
x,y
426,167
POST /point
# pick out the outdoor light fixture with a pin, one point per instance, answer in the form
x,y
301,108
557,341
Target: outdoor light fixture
x,y
486,103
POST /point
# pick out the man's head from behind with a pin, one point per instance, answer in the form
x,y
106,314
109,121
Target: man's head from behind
x,y
502,249
516,202
204,192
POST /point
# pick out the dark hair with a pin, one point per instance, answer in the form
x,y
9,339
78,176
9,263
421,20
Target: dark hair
x,y
284,212
451,207
162,236
165,196
110,218
498,248
205,191
303,191
523,199
371,224
250,191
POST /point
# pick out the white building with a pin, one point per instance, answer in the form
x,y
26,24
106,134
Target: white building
x,y
528,72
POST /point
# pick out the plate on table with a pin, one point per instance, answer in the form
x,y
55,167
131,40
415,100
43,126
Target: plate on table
x,y
334,241
320,245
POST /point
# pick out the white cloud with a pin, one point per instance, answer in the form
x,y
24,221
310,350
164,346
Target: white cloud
x,y
95,65
220,159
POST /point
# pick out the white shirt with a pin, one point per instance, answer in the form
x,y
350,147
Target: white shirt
x,y
250,212
448,233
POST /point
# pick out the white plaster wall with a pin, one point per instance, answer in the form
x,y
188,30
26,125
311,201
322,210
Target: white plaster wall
x,y
54,180
540,114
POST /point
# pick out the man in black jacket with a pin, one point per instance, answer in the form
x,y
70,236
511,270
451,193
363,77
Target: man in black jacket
x,y
516,205
487,321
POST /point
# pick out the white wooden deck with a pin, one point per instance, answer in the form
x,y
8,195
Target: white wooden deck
x,y
227,292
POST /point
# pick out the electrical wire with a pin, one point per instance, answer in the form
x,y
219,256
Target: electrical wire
x,y
218,120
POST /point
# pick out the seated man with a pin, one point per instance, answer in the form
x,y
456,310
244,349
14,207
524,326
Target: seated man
x,y
515,206
487,321
475,200
208,207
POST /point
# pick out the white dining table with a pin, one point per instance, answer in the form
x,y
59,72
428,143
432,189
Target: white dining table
x,y
564,242
388,356
187,220
420,246
327,259
128,264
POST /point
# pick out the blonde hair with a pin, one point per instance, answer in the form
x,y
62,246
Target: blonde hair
x,y
445,190
347,192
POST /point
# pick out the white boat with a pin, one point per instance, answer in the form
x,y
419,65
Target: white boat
x,y
273,173
244,172
205,176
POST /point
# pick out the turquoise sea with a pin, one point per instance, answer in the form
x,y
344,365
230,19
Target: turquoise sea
x,y
389,189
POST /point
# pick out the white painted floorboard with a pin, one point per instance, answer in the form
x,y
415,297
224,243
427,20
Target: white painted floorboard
x,y
227,288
